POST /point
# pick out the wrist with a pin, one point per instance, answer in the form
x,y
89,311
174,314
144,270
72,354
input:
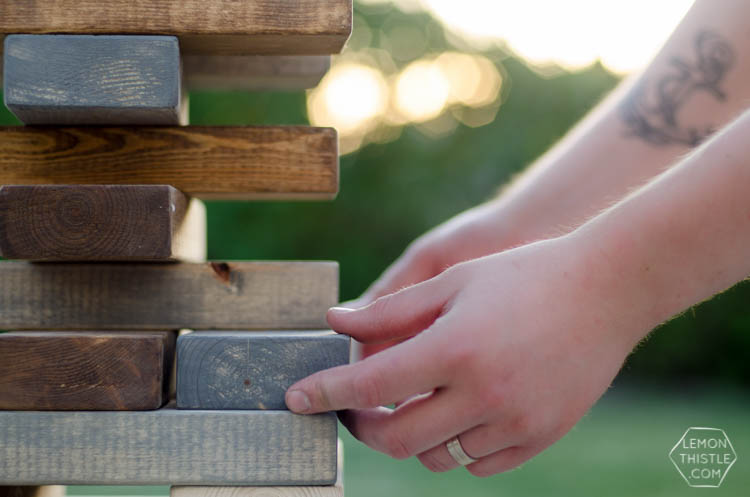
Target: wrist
x,y
617,275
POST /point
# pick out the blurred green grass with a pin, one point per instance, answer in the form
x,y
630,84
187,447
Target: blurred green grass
x,y
620,449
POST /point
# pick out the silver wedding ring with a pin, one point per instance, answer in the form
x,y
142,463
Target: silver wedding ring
x,y
457,452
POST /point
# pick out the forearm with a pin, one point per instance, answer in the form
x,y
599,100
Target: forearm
x,y
679,240
697,83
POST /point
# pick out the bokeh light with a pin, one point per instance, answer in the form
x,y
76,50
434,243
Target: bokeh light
x,y
391,75
422,91
474,80
365,106
351,98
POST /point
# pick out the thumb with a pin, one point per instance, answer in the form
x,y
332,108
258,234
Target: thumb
x,y
399,315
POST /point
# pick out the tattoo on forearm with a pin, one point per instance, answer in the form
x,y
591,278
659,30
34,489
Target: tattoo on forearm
x,y
651,110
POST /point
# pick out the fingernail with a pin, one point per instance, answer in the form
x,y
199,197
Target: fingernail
x,y
341,310
297,401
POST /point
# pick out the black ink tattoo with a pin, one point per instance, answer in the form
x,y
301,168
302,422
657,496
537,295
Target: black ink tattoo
x,y
651,111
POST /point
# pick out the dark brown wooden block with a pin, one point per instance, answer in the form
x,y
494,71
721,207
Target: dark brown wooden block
x,y
274,27
167,446
243,162
251,370
85,371
101,222
149,296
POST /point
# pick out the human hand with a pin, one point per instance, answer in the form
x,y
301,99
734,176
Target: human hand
x,y
477,232
507,352
473,233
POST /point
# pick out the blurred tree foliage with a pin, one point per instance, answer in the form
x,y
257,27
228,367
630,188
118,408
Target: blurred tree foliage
x,y
391,193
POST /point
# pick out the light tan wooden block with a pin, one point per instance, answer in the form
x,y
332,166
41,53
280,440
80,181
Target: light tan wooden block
x,y
336,490
33,491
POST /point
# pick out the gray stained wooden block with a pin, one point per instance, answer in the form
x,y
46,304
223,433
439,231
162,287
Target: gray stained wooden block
x,y
250,72
167,446
94,79
153,296
85,371
251,370
101,222
335,490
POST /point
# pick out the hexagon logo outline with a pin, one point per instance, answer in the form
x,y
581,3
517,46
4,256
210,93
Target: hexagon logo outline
x,y
726,471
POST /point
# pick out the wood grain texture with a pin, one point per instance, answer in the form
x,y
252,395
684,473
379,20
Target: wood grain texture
x,y
167,446
85,371
254,72
230,27
251,370
81,79
248,73
335,490
100,223
33,491
149,296
243,162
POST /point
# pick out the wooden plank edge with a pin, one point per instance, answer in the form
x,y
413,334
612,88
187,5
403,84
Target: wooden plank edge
x,y
335,490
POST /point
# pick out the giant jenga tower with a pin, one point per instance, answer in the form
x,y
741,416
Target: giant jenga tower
x,y
102,223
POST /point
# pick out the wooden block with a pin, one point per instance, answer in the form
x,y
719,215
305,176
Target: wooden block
x,y
101,222
167,446
81,79
242,162
229,27
251,370
33,491
249,73
143,296
85,371
254,72
335,490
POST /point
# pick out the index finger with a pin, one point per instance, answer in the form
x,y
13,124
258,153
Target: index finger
x,y
410,368
407,270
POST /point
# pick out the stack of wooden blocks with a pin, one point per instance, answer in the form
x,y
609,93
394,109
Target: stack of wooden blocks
x,y
102,220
